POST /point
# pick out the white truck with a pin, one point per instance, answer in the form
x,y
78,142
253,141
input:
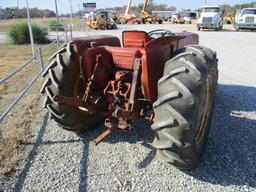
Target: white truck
x,y
245,19
211,17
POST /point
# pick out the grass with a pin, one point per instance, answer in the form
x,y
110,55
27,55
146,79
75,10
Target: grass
x,y
18,125
18,132
10,57
5,24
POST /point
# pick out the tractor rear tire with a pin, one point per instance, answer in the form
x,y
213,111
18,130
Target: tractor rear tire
x,y
60,77
185,104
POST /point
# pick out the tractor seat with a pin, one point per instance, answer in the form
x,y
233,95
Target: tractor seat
x,y
136,39
123,58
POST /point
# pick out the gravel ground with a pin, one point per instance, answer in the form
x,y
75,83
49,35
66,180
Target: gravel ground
x,y
62,161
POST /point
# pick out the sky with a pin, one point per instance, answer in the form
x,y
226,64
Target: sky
x,y
64,4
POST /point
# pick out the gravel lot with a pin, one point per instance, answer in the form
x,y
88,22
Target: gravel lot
x,y
62,161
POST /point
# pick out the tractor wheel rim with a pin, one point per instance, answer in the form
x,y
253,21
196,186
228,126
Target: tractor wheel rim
x,y
205,111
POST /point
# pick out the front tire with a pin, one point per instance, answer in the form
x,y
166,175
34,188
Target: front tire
x,y
185,105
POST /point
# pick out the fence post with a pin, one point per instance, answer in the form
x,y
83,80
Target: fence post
x,y
58,40
66,35
1,136
71,35
41,60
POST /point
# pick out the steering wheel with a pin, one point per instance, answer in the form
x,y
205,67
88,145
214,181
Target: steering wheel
x,y
160,33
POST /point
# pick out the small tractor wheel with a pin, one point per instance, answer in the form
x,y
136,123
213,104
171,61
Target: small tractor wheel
x,y
102,27
61,77
109,26
184,107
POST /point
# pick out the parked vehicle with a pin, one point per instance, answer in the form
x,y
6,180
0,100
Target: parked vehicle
x,y
211,17
163,15
190,17
177,19
245,19
229,18
101,20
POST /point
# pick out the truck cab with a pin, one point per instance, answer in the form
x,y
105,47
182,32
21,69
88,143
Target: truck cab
x,y
211,17
190,16
245,19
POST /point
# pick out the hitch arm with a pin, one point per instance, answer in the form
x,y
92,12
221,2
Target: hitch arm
x,y
79,103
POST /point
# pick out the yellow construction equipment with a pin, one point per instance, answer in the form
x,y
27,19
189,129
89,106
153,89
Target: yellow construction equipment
x,y
128,17
229,18
147,17
102,20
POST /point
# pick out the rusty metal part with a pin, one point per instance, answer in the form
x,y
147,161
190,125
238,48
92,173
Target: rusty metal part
x,y
110,129
118,88
103,136
112,125
99,61
80,103
136,68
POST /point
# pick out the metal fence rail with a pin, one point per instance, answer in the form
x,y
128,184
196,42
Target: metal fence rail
x,y
37,57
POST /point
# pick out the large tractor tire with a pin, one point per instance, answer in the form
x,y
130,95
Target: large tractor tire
x,y
185,104
61,78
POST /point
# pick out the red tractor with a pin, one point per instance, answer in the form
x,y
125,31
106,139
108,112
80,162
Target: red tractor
x,y
164,77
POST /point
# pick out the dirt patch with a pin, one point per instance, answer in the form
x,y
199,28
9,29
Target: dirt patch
x,y
15,130
18,125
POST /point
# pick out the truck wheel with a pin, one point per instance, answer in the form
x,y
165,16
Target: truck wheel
x,y
62,78
184,107
198,28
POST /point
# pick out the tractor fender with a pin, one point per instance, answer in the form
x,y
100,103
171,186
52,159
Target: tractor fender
x,y
94,41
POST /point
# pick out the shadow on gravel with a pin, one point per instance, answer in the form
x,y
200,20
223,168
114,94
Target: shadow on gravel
x,y
137,134
23,174
84,165
230,156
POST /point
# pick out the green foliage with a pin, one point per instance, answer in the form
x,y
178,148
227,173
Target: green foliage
x,y
56,26
137,8
19,34
231,10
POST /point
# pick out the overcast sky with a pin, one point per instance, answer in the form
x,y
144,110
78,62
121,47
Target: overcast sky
x,y
64,4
